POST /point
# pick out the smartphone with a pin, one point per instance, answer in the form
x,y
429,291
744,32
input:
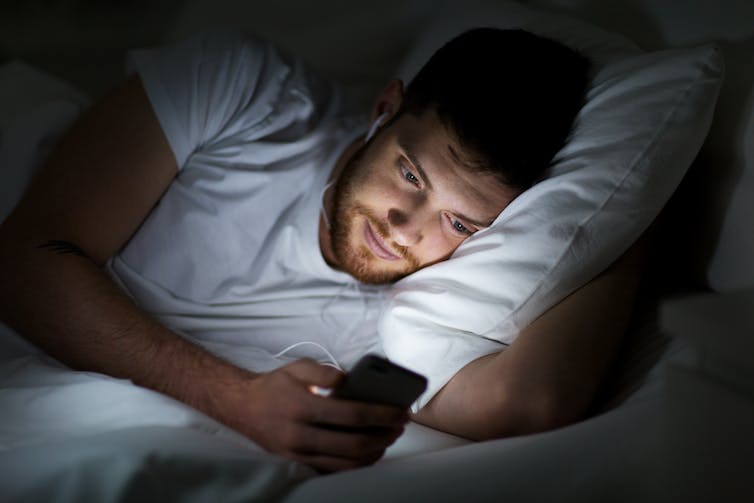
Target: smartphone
x,y
376,379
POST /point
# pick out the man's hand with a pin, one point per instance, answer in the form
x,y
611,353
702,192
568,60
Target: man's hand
x,y
279,412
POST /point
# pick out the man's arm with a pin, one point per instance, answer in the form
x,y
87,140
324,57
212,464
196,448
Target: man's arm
x,y
98,186
548,377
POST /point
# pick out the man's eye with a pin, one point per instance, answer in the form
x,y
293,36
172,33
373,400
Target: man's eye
x,y
460,228
409,176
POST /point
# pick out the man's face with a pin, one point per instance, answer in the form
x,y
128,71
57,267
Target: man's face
x,y
407,200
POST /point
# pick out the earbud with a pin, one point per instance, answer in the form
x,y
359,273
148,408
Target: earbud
x,y
375,125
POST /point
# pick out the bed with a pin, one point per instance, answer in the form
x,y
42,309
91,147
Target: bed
x,y
675,418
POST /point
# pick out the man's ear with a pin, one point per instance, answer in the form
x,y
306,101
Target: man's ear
x,y
388,101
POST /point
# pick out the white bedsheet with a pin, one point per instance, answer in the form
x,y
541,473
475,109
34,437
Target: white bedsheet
x,y
82,436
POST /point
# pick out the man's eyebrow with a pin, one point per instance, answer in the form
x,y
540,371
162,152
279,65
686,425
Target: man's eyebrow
x,y
415,161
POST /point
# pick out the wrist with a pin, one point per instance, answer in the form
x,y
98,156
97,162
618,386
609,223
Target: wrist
x,y
191,374
224,389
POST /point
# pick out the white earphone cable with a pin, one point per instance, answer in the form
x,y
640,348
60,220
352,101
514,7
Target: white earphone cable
x,y
332,363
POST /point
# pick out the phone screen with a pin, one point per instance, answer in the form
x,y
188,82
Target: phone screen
x,y
376,379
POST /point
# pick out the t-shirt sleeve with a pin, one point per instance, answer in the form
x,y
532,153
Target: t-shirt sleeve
x,y
208,86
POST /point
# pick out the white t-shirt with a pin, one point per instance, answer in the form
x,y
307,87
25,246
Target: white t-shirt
x,y
230,255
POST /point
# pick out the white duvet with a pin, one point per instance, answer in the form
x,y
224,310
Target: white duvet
x,y
82,436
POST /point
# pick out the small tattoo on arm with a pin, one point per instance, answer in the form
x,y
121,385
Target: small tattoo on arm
x,y
63,247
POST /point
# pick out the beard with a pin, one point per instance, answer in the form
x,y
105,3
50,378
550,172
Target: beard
x,y
356,259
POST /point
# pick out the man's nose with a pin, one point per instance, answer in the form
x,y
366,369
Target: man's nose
x,y
406,227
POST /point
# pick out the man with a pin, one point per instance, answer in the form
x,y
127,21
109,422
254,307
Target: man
x,y
220,194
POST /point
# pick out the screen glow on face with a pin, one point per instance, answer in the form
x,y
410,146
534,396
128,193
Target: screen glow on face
x,y
404,201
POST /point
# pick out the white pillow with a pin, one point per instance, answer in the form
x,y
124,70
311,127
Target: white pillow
x,y
645,119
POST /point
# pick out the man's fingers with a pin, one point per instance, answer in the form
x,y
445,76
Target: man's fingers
x,y
327,464
331,449
326,433
351,443
352,414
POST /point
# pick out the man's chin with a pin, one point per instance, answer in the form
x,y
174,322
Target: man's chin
x,y
378,277
367,272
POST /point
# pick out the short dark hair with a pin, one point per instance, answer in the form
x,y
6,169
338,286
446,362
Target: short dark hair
x,y
509,96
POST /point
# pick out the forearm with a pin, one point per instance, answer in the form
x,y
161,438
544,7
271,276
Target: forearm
x,y
548,377
479,403
467,405
67,305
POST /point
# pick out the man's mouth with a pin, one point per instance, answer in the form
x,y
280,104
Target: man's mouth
x,y
377,245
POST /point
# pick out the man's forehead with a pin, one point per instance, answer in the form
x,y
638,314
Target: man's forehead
x,y
427,126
